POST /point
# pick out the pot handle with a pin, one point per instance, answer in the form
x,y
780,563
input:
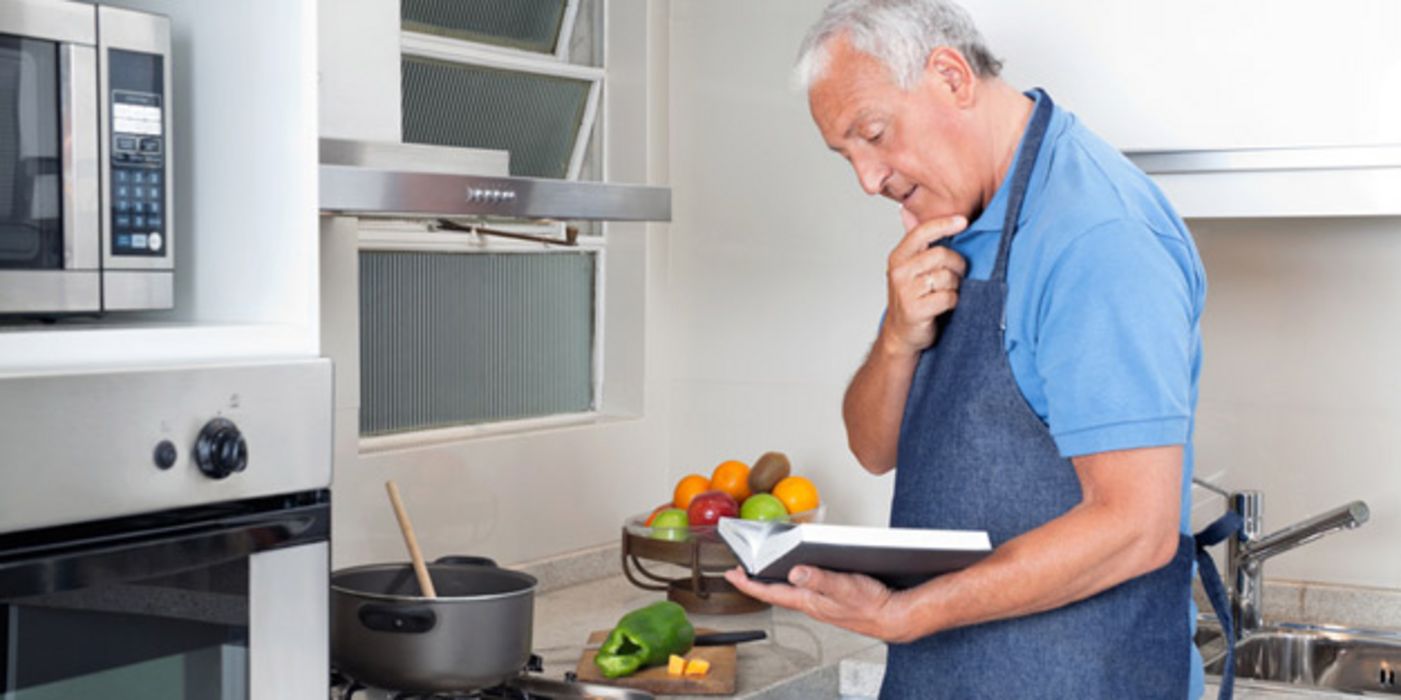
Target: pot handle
x,y
461,559
399,619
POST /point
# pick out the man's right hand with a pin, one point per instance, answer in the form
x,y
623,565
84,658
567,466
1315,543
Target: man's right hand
x,y
922,283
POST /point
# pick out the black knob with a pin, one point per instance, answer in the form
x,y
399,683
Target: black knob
x,y
220,449
165,454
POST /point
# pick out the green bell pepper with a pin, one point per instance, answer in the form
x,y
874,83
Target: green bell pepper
x,y
645,637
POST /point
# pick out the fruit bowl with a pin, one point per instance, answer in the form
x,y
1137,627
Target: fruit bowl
x,y
636,525
698,549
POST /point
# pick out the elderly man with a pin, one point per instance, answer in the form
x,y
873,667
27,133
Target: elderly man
x,y
1034,375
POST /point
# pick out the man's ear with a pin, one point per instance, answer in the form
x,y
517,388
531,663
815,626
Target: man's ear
x,y
950,72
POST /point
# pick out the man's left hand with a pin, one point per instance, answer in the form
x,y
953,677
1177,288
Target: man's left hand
x,y
851,601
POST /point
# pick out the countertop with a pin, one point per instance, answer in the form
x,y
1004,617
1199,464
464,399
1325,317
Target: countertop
x,y
798,660
802,659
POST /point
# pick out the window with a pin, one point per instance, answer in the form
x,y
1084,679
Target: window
x,y
459,330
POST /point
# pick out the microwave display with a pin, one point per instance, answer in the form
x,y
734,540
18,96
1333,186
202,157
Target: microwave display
x,y
137,187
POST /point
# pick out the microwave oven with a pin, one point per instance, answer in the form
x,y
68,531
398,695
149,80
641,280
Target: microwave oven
x,y
85,159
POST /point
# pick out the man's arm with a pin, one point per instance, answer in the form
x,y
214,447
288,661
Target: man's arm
x,y
922,282
1126,525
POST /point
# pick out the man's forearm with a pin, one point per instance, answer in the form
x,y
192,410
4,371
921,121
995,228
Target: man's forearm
x,y
875,405
1098,544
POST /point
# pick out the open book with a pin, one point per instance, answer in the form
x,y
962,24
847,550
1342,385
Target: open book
x,y
900,557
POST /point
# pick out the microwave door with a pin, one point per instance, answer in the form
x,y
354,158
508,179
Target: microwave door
x,y
49,186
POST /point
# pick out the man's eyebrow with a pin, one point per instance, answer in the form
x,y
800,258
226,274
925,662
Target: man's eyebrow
x,y
857,120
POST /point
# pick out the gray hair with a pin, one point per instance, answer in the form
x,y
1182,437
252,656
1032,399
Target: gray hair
x,y
899,33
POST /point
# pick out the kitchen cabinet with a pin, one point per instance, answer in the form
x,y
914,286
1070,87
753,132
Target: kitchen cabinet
x,y
1197,74
245,185
1240,109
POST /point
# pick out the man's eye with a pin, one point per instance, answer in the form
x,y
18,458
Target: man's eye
x,y
875,137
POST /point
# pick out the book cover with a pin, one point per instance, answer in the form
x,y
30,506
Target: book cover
x,y
899,557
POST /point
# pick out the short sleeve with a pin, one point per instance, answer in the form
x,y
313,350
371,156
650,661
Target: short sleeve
x,y
1116,338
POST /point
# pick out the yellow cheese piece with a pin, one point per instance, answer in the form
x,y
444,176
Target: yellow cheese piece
x,y
675,665
697,667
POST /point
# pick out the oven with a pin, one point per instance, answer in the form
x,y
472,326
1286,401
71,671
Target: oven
x,y
164,533
85,159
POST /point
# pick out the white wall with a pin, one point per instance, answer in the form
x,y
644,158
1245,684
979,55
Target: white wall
x,y
1300,381
777,257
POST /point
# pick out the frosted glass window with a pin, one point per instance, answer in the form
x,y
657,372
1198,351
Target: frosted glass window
x,y
529,25
451,339
535,117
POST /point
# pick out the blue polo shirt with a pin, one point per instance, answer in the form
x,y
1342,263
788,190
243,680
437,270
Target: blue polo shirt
x,y
1105,292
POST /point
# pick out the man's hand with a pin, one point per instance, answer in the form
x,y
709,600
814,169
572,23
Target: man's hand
x,y
922,282
851,601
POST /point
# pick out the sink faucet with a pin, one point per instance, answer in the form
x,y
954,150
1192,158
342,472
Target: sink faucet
x,y
1246,553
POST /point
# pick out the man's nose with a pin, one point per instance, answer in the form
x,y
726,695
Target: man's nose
x,y
872,174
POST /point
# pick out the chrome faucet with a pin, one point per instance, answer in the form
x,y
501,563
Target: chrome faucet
x,y
1246,553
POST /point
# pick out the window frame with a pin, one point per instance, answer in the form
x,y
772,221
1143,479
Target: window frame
x,y
418,236
464,52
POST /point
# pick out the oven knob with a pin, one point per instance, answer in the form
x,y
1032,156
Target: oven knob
x,y
220,449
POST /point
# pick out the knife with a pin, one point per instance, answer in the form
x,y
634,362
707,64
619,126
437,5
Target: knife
x,y
714,639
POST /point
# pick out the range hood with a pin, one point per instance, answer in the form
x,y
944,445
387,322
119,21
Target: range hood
x,y
393,179
1324,181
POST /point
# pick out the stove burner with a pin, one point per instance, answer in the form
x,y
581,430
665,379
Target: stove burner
x,y
346,688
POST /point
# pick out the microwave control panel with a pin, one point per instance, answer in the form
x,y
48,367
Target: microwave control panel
x,y
137,187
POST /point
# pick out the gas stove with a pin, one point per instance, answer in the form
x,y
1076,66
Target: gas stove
x,y
529,685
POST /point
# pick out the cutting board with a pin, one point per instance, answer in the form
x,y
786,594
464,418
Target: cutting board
x,y
720,680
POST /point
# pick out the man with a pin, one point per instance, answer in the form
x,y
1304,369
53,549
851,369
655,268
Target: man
x,y
1034,375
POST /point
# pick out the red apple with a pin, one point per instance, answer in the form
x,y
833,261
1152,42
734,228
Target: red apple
x,y
707,508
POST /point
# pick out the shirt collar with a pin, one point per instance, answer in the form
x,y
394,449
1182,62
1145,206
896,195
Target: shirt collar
x,y
994,215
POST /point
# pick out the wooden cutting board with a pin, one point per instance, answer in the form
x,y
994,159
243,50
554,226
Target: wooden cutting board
x,y
720,680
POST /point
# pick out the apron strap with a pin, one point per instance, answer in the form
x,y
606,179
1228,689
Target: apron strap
x,y
1223,527
1021,177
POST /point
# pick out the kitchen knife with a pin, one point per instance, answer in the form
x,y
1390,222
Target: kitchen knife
x,y
715,639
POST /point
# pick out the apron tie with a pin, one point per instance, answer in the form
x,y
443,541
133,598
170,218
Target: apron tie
x,y
1223,527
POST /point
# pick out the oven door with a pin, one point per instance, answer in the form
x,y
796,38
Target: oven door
x,y
225,602
49,188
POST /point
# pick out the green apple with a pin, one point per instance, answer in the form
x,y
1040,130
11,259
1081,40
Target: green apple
x,y
763,506
671,524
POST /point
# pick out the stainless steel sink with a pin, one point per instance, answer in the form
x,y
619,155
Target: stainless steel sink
x,y
1332,658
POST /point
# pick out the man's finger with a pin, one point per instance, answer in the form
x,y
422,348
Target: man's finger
x,y
780,594
920,237
934,258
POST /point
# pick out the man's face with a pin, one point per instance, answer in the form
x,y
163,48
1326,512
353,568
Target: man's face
x,y
911,146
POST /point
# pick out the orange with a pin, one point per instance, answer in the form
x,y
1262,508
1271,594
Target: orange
x,y
732,477
797,493
687,488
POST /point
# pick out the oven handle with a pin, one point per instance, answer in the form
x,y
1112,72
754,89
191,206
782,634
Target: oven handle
x,y
78,118
57,566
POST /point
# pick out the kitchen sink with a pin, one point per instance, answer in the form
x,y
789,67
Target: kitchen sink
x,y
1314,656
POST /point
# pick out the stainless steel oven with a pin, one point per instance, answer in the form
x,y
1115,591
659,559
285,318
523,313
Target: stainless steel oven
x,y
85,159
164,534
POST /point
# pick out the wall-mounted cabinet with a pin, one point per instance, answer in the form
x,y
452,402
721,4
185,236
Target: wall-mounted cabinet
x,y
1200,75
1238,109
244,194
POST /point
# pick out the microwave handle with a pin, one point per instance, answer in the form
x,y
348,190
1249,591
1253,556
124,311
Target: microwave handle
x,y
79,119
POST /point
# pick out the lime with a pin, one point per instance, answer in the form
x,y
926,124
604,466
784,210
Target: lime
x,y
763,506
671,524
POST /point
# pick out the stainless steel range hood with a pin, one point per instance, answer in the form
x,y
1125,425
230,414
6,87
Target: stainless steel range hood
x,y
391,179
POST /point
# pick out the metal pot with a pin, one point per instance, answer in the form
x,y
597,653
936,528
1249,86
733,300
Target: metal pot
x,y
475,634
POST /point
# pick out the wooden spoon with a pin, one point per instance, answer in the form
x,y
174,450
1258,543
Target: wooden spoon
x,y
425,583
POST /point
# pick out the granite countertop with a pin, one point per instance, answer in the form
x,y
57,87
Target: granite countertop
x,y
801,659
798,660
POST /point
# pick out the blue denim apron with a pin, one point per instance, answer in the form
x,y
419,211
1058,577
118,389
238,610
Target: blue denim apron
x,y
973,455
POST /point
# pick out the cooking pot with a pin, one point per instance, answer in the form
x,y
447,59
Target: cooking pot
x,y
475,634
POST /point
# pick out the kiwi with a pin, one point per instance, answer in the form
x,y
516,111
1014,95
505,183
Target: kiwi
x,y
771,468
